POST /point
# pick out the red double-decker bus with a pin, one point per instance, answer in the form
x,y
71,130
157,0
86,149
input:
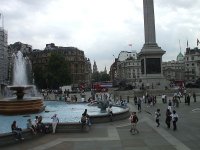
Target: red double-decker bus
x,y
101,86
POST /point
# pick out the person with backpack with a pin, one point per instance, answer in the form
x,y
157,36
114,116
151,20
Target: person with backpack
x,y
134,119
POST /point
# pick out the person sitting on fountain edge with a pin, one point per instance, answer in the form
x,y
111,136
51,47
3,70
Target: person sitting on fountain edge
x,y
30,126
85,119
17,131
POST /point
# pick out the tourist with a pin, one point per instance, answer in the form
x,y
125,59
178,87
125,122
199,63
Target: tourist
x,y
194,97
31,126
157,116
174,117
75,98
41,127
86,117
163,98
135,100
17,131
54,122
110,113
170,106
188,99
83,121
168,118
139,103
36,121
134,119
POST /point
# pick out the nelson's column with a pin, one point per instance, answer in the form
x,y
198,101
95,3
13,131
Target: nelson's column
x,y
151,54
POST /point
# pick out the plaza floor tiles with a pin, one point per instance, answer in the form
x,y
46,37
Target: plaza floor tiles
x,y
146,139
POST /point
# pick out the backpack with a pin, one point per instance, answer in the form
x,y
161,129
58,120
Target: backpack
x,y
176,119
134,119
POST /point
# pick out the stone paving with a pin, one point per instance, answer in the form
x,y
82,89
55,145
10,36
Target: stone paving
x,y
116,135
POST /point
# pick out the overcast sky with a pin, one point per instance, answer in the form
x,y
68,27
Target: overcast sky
x,y
101,28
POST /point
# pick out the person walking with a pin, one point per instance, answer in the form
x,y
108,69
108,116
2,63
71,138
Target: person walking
x,y
139,103
174,117
194,97
168,118
188,99
157,116
54,122
134,119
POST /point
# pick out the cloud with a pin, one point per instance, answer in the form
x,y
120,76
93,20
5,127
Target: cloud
x,y
101,28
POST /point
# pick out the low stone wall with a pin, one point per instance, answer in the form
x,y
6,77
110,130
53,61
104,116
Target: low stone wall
x,y
9,138
157,92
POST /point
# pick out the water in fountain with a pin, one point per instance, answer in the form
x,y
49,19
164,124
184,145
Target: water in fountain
x,y
19,72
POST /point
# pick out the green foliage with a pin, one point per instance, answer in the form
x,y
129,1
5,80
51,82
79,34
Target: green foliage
x,y
100,76
54,75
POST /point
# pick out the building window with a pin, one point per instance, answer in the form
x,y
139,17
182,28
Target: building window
x,y
192,58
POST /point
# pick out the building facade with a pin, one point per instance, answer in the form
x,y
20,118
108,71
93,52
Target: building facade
x,y
123,55
79,65
192,64
126,68
129,70
174,70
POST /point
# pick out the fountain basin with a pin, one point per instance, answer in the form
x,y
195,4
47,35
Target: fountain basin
x,y
13,106
68,113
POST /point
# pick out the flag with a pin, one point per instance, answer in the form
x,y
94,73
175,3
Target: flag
x,y
197,42
129,44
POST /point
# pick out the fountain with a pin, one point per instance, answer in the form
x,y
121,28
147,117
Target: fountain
x,y
20,104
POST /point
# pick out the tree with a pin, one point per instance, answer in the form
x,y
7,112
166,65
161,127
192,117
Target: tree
x,y
57,71
54,75
104,76
100,76
40,76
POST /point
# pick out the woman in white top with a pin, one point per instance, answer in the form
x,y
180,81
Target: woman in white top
x,y
54,122
174,116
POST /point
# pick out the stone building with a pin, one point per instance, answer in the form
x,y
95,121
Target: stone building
x,y
3,57
123,55
174,70
126,68
79,65
129,70
192,64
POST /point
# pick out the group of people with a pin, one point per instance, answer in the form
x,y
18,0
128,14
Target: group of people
x,y
36,127
170,117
